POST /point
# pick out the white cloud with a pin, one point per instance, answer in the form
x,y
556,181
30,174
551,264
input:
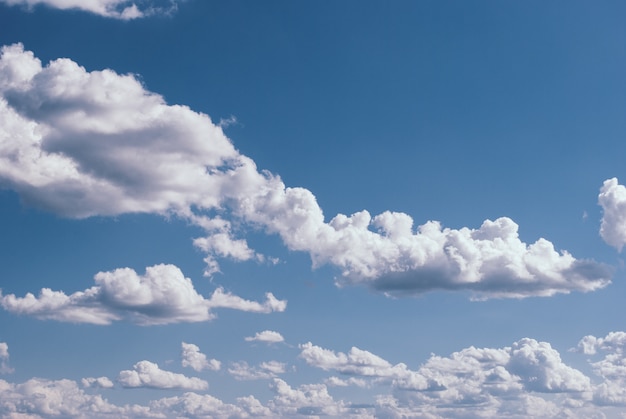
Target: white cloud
x,y
243,371
148,374
100,382
37,398
309,400
612,199
117,9
193,358
206,406
84,143
4,359
162,295
221,299
473,382
611,368
268,336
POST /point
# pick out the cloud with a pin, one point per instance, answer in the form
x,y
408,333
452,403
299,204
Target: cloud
x,y
100,382
268,336
193,358
37,398
148,374
310,400
265,370
474,381
4,359
117,9
81,143
611,368
161,296
206,406
612,199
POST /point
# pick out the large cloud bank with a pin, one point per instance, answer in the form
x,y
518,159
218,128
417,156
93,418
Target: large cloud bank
x,y
161,296
81,143
526,379
117,9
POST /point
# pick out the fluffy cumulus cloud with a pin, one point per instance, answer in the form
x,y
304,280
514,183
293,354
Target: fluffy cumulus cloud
x,y
525,379
118,9
193,358
162,295
268,336
37,398
485,382
611,368
82,143
612,199
148,374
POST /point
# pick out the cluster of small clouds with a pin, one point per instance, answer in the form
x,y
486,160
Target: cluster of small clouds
x,y
81,143
526,379
117,9
161,296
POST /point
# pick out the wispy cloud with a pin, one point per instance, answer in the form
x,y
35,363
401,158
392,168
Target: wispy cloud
x,y
4,359
116,9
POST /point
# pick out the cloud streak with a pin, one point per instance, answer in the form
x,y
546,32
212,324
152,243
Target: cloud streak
x,y
81,143
161,296
116,9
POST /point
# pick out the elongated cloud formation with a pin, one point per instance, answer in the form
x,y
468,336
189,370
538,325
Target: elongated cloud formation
x,y
163,295
84,143
117,9
268,336
525,379
148,374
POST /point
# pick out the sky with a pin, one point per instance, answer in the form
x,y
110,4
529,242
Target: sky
x,y
237,209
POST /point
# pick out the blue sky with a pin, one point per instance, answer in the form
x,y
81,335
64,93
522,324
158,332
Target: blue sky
x,y
290,209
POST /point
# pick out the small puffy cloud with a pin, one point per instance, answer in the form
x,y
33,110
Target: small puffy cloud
x,y
117,9
4,359
100,382
161,296
612,199
193,358
268,336
81,143
148,374
265,370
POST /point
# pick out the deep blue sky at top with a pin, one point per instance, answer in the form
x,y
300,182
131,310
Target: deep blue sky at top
x,y
402,98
